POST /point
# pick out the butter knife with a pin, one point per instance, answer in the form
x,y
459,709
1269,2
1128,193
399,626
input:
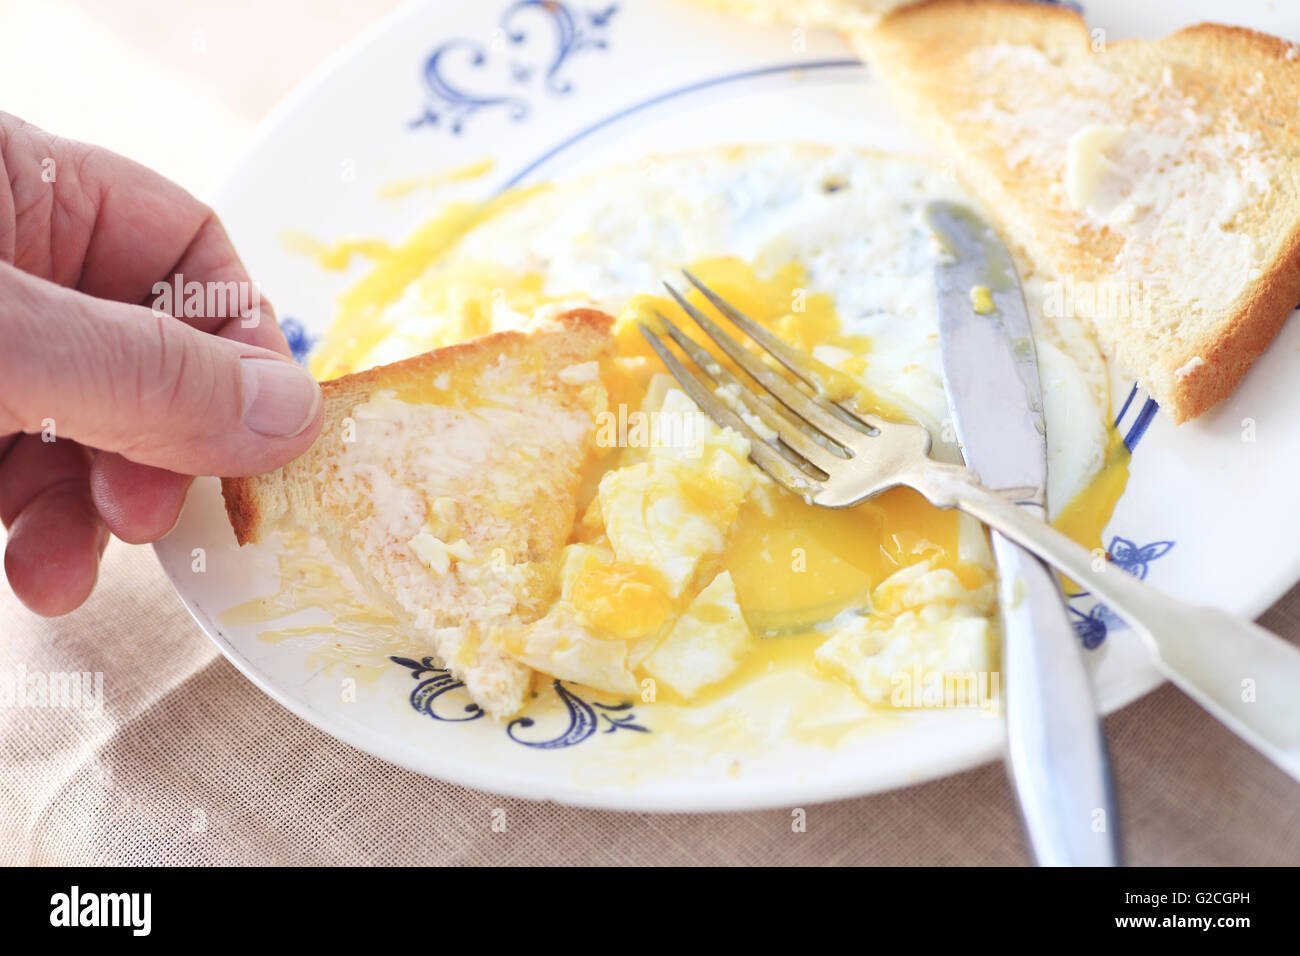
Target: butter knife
x,y
1056,754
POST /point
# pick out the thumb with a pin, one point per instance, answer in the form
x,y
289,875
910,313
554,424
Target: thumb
x,y
125,379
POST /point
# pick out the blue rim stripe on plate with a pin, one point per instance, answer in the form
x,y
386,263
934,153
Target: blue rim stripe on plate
x,y
1141,423
1132,392
673,94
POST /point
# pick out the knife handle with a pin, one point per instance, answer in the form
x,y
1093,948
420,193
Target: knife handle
x,y
1056,753
1247,677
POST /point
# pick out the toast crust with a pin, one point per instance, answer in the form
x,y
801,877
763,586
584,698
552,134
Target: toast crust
x,y
242,509
1230,353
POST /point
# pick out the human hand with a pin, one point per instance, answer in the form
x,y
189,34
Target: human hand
x,y
108,406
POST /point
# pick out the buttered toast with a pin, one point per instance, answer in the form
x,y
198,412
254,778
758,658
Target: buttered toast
x,y
447,484
1157,184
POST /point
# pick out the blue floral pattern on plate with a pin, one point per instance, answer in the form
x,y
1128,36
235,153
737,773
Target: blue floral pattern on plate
x,y
452,96
1094,621
1093,624
300,341
585,717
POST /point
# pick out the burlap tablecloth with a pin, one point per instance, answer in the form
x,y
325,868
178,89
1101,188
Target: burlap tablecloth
x,y
190,763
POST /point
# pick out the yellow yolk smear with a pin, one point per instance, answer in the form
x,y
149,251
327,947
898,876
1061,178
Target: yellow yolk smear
x,y
1086,516
334,256
622,601
359,640
404,187
361,323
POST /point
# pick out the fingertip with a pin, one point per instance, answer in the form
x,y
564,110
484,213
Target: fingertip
x,y
264,455
309,434
138,503
52,555
280,400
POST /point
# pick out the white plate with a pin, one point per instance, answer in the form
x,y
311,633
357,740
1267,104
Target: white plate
x,y
550,88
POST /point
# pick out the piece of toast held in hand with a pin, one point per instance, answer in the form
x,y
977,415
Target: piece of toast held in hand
x,y
1156,183
447,484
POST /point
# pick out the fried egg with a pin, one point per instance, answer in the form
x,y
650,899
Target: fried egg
x,y
688,561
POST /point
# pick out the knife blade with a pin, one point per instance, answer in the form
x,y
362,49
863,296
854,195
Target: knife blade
x,y
1056,753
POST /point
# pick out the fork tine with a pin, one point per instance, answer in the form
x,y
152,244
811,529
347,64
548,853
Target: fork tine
x,y
805,406
784,472
791,430
789,356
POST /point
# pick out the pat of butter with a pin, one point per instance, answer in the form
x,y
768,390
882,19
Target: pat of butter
x,y
580,373
435,554
1087,165
445,509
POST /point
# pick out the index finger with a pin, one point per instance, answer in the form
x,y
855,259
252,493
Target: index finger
x,y
89,219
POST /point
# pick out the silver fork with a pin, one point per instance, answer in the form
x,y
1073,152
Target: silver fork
x,y
832,455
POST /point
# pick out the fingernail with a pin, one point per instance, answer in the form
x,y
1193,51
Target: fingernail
x,y
280,398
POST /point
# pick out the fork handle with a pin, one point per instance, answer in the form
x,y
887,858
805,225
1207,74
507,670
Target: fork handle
x,y
1056,753
1247,677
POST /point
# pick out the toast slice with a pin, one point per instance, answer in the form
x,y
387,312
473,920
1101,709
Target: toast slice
x,y
1155,183
447,484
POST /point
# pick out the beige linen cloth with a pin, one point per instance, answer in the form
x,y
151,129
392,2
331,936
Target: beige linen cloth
x,y
189,763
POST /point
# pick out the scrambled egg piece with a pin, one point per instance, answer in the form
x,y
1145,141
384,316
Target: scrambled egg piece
x,y
559,645
669,511
706,644
922,618
619,600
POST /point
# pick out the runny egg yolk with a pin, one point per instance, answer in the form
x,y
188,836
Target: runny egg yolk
x,y
801,564
1086,516
464,298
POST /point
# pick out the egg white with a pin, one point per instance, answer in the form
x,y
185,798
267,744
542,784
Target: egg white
x,y
850,217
